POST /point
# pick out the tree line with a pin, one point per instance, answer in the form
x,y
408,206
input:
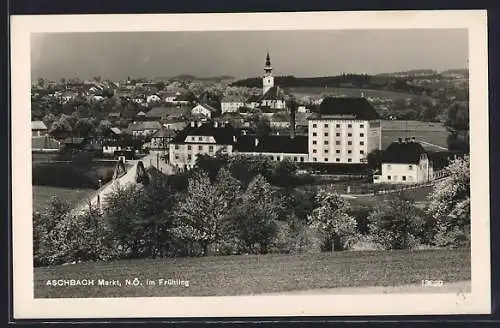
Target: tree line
x,y
240,208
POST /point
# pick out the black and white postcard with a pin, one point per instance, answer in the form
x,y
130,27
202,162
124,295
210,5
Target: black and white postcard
x,y
252,164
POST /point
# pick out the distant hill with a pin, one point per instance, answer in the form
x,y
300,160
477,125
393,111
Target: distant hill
x,y
359,81
187,77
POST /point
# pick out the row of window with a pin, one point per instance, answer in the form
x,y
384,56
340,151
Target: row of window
x,y
410,167
349,160
403,178
278,158
338,142
338,134
337,151
338,126
189,147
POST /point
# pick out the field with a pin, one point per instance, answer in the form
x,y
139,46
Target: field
x,y
253,274
43,194
349,92
433,133
419,196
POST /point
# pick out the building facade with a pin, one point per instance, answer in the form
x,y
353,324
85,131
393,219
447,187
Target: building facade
x,y
405,162
344,131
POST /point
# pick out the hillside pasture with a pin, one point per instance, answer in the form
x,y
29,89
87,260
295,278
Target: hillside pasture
x,y
350,92
257,274
429,132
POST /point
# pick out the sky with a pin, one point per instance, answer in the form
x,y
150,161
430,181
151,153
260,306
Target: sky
x,y
117,55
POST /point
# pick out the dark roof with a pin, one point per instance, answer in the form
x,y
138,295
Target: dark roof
x,y
222,135
346,108
146,125
273,144
403,152
253,98
274,93
74,141
164,133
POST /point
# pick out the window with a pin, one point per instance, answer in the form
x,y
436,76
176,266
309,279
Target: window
x,y
192,138
361,143
272,158
176,156
200,138
176,147
314,142
410,167
349,143
337,159
349,134
337,142
326,159
295,158
337,151
314,126
326,151
315,159
277,158
314,134
361,135
349,160
326,125
388,177
361,152
349,151
314,151
210,148
200,147
361,125
189,157
337,126
326,142
326,134
302,159
189,147
337,134
403,177
349,125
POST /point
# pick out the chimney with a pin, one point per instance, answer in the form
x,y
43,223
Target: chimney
x,y
400,140
413,139
192,124
234,139
256,141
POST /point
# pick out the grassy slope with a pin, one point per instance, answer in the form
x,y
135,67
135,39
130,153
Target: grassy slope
x,y
251,274
43,194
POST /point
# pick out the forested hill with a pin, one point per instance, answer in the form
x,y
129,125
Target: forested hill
x,y
362,81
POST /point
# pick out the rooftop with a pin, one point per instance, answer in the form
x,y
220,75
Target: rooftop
x,y
346,108
38,125
274,93
272,144
223,135
403,152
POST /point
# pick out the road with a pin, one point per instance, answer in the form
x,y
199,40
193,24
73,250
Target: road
x,y
100,195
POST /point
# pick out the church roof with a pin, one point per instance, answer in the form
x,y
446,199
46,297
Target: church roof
x,y
274,93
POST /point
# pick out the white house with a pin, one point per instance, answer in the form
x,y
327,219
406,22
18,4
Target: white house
x,y
146,128
153,98
345,130
204,110
231,103
38,128
405,162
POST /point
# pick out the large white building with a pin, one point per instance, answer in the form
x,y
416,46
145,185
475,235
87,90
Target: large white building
x,y
405,162
344,131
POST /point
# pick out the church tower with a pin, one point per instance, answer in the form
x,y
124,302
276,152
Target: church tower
x,y
268,79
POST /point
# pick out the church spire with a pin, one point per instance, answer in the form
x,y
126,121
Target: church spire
x,y
268,68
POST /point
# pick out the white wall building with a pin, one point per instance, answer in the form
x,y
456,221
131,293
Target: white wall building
x,y
204,110
345,131
405,162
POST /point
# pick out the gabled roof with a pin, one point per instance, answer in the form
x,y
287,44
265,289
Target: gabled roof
x,y
207,106
346,108
38,125
233,98
146,125
116,130
274,93
403,153
222,135
164,133
273,144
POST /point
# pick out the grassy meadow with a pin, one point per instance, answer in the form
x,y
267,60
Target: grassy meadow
x,y
257,274
43,194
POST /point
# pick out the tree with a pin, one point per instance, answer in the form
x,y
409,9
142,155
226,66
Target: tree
x,y
41,83
255,224
84,127
450,205
198,217
332,220
396,224
374,159
61,128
